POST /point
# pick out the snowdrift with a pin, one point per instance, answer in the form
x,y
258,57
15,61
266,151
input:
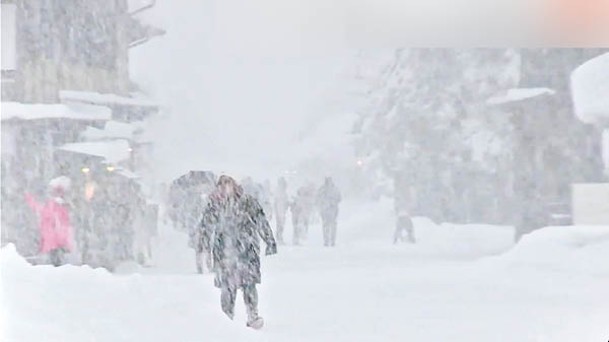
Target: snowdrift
x,y
78,303
462,240
374,225
580,249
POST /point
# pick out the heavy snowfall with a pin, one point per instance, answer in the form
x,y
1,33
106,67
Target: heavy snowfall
x,y
213,171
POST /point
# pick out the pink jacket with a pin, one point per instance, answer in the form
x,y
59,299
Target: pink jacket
x,y
55,227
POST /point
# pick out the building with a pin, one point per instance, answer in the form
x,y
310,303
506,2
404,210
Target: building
x,y
65,74
552,148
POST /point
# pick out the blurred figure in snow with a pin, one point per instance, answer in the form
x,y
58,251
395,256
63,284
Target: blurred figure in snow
x,y
262,193
403,225
187,198
233,223
54,221
328,198
199,200
404,198
302,210
282,203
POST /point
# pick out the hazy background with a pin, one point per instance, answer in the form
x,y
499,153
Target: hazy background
x,y
251,81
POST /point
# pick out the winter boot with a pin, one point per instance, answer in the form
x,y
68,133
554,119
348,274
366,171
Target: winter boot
x,y
255,322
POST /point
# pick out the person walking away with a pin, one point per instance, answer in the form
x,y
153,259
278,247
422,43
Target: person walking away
x,y
403,225
328,199
176,202
309,200
404,198
281,205
232,225
300,216
199,199
54,221
302,212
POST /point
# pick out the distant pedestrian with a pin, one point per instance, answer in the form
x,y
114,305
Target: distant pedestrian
x,y
404,198
328,199
302,211
281,205
403,225
56,234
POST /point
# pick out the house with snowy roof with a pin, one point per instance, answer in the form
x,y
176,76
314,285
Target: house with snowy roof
x,y
65,70
552,148
68,104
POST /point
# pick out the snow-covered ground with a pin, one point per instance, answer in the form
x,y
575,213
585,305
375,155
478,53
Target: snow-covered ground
x,y
459,283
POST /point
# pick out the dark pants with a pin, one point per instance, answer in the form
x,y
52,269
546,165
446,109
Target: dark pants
x,y
329,229
404,224
250,297
57,256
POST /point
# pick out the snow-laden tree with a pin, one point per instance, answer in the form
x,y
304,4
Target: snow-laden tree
x,y
427,128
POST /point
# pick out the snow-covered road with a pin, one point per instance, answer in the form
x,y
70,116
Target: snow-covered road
x,y
363,290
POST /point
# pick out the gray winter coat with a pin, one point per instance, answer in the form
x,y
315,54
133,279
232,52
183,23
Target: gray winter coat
x,y
328,198
233,229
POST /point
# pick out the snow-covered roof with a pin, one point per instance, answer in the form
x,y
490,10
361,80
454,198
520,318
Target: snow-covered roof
x,y
99,98
112,151
34,111
590,90
112,130
518,94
